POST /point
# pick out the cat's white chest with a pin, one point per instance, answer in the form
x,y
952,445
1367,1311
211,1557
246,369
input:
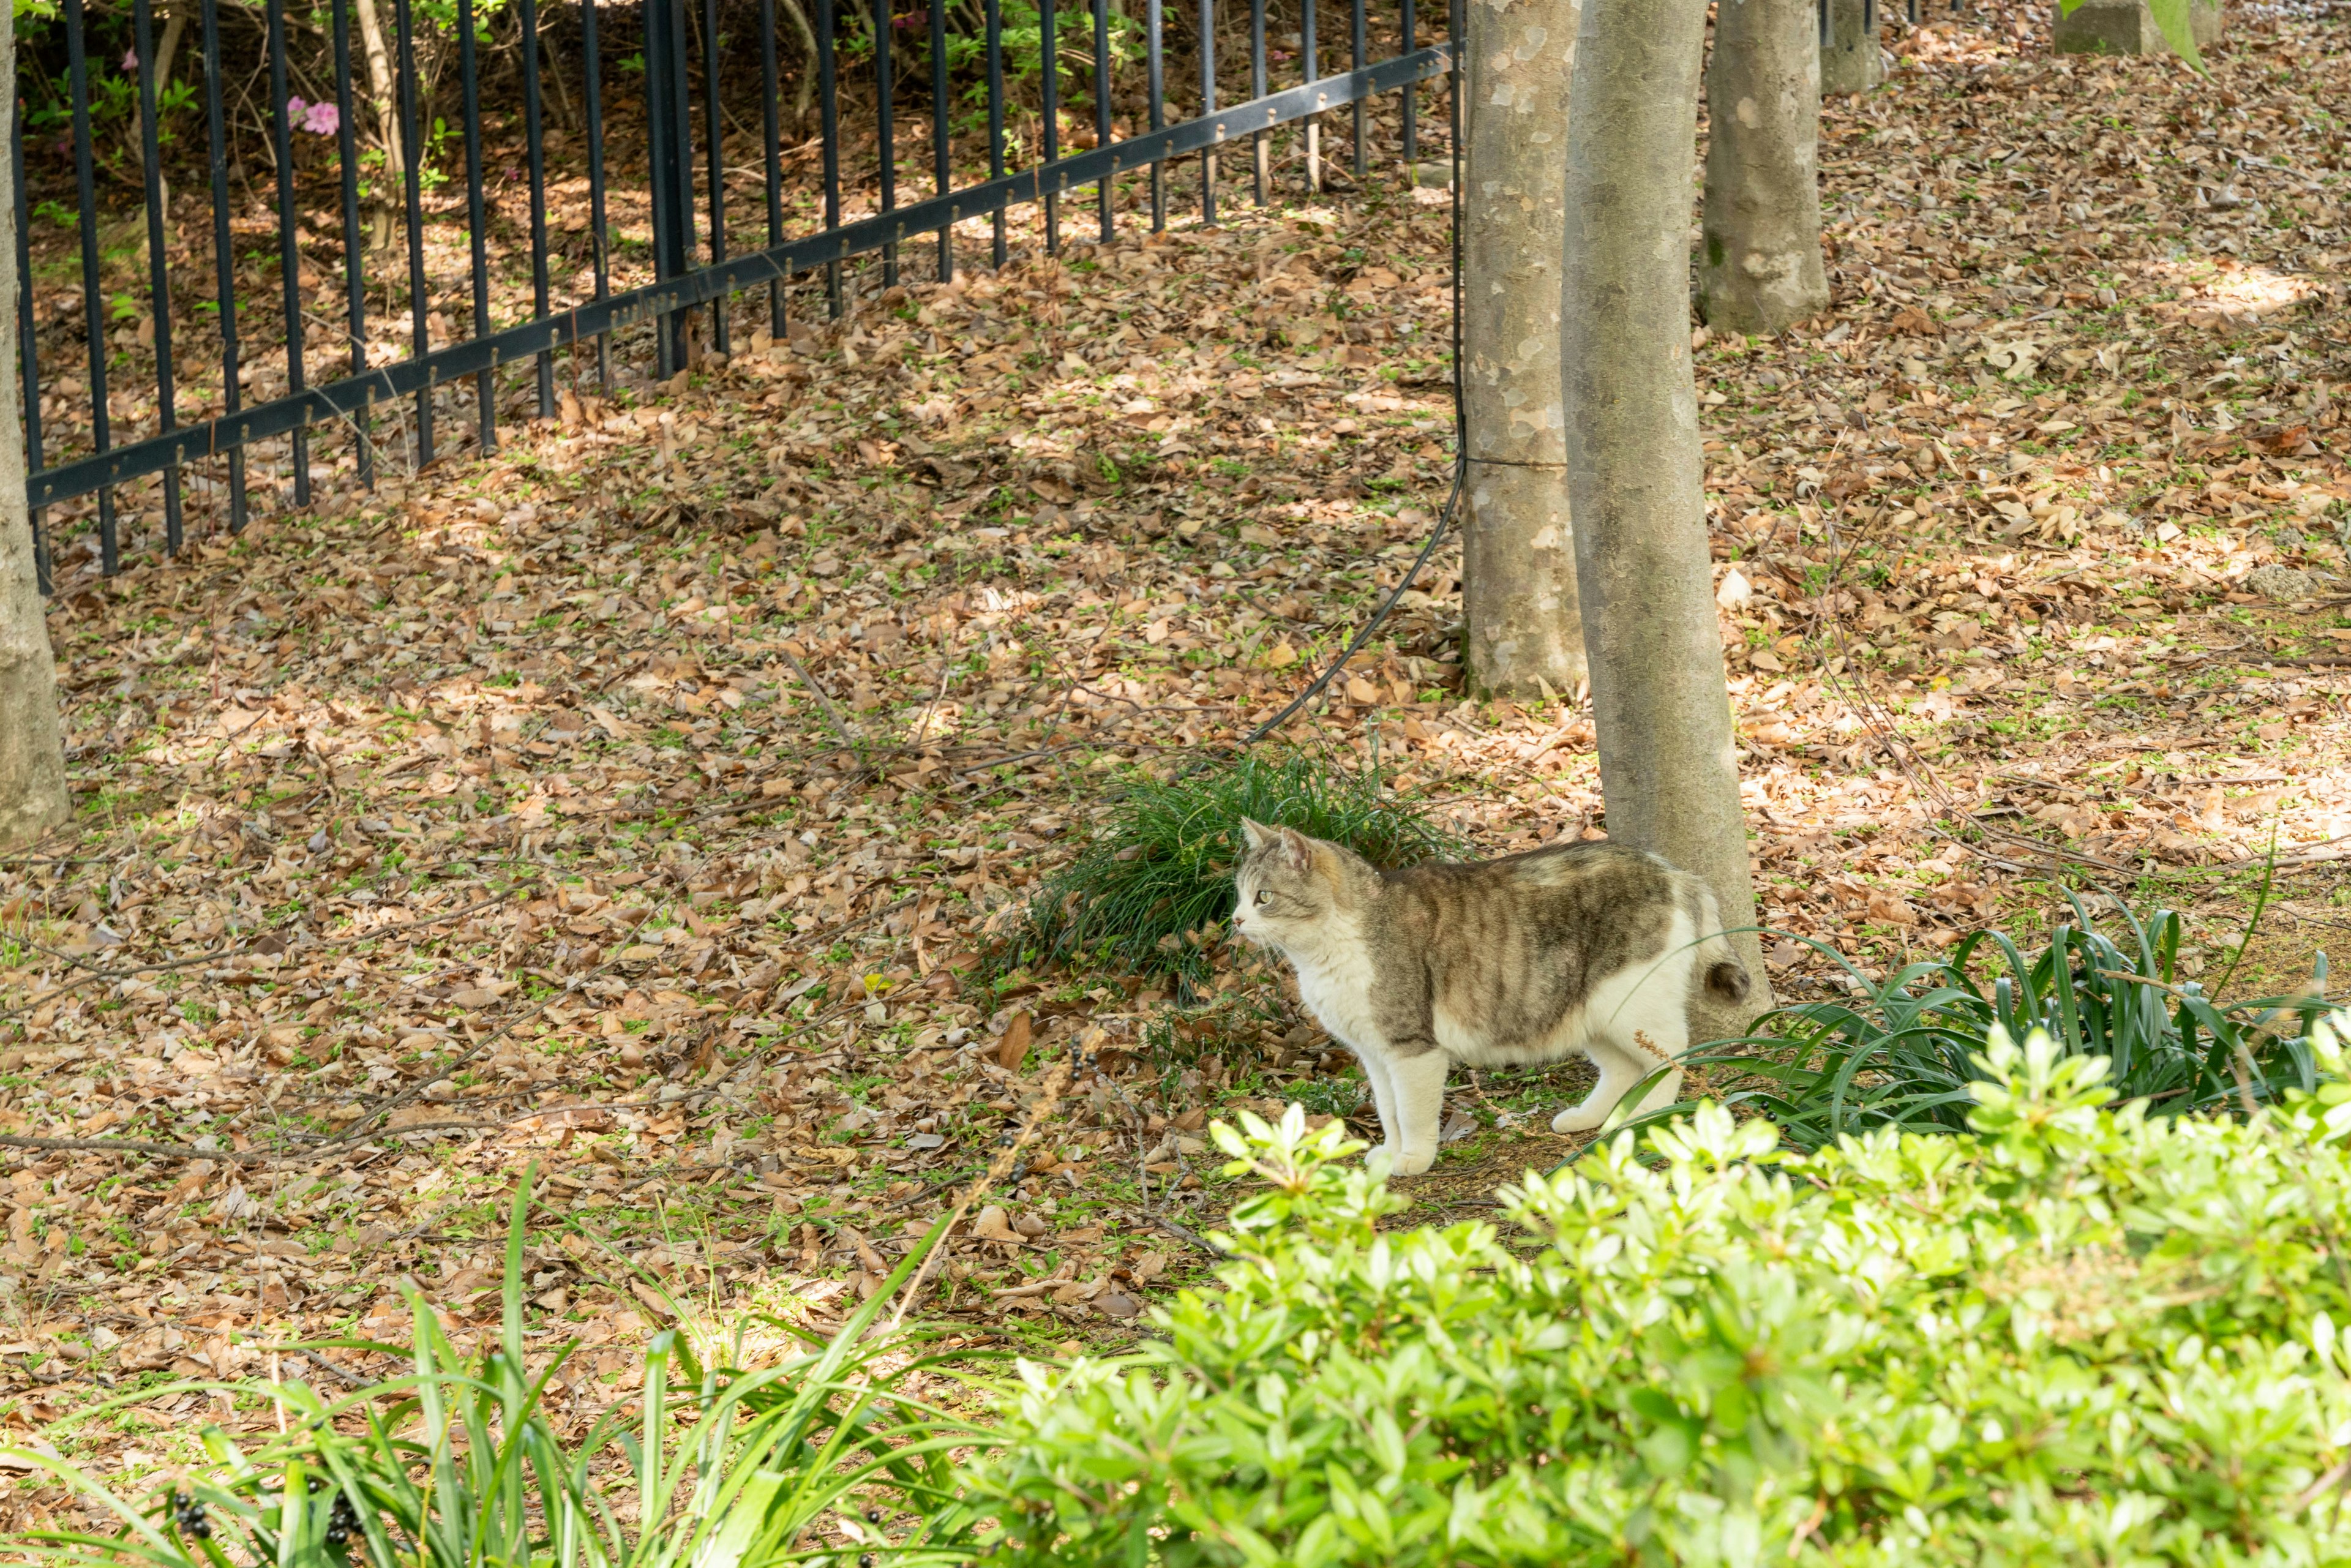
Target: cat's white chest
x,y
1335,983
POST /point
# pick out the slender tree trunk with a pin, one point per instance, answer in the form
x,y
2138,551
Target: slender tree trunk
x,y
1669,767
1849,58
166,47
808,62
383,101
1524,625
1760,267
33,796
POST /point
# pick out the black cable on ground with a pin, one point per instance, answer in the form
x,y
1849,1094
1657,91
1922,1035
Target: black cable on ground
x,y
1461,450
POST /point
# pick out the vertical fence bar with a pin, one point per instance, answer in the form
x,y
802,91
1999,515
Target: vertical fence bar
x,y
224,255
1358,46
1261,150
600,246
159,277
535,159
1048,64
714,130
770,131
1155,68
289,253
669,168
354,264
887,126
93,299
681,135
828,93
660,169
941,145
27,351
993,13
1411,105
486,382
1311,55
1208,107
1823,9
411,179
1102,189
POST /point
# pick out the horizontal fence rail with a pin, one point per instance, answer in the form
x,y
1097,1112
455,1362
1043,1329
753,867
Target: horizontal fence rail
x,y
293,273
366,395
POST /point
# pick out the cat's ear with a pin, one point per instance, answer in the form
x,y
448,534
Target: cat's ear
x,y
1296,850
1256,833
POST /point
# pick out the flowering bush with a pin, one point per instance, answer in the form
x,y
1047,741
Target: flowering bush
x,y
317,119
2077,1334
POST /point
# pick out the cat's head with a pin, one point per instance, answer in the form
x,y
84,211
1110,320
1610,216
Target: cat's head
x,y
1289,885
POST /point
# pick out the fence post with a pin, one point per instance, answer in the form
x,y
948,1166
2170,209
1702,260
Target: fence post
x,y
671,161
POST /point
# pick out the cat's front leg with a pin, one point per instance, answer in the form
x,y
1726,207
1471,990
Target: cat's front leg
x,y
1418,1079
1383,1100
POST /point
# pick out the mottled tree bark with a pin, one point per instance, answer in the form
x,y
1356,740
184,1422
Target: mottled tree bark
x,y
1521,620
1668,764
1850,61
33,796
1759,266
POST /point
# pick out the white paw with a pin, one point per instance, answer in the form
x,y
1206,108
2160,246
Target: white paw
x,y
1577,1119
1412,1162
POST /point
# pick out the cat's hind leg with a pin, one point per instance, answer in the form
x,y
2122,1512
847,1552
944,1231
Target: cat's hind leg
x,y
1652,1031
1618,1074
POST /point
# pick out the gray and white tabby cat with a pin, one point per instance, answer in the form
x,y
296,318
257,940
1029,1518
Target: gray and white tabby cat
x,y
1586,946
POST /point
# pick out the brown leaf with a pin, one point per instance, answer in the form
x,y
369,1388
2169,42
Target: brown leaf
x,y
1013,1048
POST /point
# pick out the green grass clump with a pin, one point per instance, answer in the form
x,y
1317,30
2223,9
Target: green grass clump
x,y
458,1464
1151,896
1906,1051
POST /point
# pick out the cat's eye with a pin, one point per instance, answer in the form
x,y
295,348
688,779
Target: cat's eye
x,y
1263,896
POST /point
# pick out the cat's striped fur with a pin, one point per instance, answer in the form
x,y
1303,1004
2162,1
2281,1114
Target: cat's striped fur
x,y
1588,947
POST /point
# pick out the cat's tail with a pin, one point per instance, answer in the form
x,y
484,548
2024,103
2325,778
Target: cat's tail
x,y
1725,978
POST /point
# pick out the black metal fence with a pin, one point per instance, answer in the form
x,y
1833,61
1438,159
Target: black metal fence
x,y
161,354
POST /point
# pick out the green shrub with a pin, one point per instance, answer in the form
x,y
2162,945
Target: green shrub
x,y
457,1465
2075,1333
1904,1052
1151,893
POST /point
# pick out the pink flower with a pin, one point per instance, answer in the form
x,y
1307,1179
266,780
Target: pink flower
x,y
317,119
129,60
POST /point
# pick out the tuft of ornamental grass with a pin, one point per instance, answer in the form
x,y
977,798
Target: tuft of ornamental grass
x,y
1906,1051
1151,894
457,1464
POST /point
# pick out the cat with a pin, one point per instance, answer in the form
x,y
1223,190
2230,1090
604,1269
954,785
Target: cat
x,y
1586,946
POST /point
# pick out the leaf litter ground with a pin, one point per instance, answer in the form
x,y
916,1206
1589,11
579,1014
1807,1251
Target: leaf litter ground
x,y
637,801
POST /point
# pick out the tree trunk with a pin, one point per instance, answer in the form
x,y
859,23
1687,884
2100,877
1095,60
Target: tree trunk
x,y
1523,626
1760,269
384,100
1849,55
166,48
33,796
1668,768
808,62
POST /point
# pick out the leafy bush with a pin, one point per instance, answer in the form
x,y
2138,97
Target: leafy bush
x,y
458,1466
1149,894
2074,1333
1903,1051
